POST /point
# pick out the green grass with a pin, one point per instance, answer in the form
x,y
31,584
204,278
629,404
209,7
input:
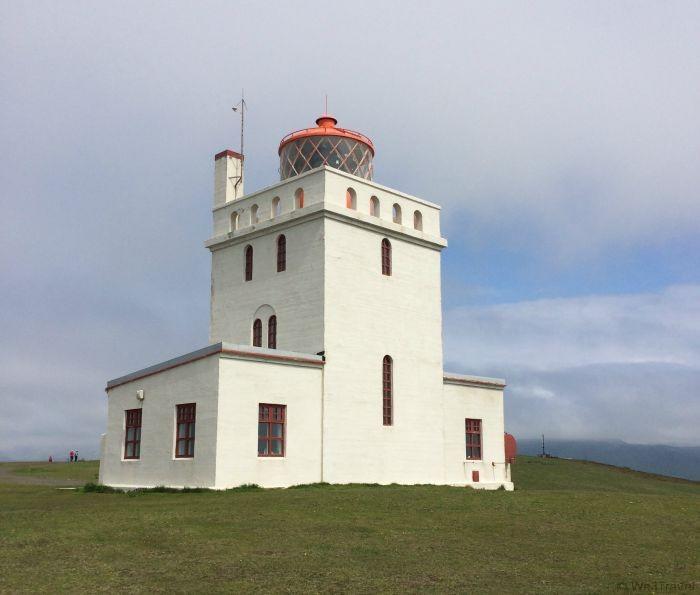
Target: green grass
x,y
78,472
569,527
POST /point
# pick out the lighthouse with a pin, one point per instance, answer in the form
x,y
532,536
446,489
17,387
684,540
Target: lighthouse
x,y
325,359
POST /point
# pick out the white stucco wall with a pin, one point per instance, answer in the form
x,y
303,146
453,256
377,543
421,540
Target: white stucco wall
x,y
243,386
369,315
195,382
462,402
296,294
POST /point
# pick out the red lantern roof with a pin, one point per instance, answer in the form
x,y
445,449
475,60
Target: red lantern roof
x,y
326,126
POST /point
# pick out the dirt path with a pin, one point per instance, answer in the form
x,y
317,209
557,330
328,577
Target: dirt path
x,y
6,476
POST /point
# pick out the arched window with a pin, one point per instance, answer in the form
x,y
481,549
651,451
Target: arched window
x,y
386,257
388,390
418,221
249,263
272,332
396,213
253,214
234,221
350,199
276,207
299,199
257,333
281,253
374,206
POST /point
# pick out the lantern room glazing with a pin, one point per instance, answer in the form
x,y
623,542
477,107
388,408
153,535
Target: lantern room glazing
x,y
329,145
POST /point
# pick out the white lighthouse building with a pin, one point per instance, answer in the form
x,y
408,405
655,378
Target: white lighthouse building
x,y
325,360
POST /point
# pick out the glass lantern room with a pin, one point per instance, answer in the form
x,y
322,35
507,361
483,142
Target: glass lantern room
x,y
329,145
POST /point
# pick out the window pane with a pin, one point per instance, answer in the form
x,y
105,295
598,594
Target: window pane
x,y
130,433
181,430
137,450
129,450
137,434
262,429
277,430
276,447
181,447
262,447
191,429
190,448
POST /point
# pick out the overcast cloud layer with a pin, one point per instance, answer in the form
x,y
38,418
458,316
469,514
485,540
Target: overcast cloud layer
x,y
561,138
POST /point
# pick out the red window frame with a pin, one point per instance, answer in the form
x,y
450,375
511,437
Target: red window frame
x,y
272,430
184,430
472,432
281,253
132,434
386,257
388,391
249,263
272,332
257,333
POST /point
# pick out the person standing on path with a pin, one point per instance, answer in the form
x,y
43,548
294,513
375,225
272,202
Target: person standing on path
x,y
72,454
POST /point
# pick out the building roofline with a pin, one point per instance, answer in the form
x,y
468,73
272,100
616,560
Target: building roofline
x,y
226,350
477,381
338,172
317,211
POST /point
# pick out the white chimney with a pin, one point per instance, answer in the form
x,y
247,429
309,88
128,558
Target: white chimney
x,y
228,177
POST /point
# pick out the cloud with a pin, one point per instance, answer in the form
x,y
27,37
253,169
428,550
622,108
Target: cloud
x,y
622,366
552,133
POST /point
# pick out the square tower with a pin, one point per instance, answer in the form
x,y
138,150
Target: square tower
x,y
359,282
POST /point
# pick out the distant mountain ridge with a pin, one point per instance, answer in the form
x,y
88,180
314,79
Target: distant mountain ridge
x,y
676,461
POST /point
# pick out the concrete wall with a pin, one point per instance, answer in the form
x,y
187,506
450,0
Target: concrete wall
x,y
367,316
462,402
195,382
295,295
246,384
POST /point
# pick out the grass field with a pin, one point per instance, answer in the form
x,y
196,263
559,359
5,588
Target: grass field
x,y
568,527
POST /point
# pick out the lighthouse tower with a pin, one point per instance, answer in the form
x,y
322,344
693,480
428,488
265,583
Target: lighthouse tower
x,y
325,360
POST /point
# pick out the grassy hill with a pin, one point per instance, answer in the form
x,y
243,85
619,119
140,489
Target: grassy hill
x,y
569,527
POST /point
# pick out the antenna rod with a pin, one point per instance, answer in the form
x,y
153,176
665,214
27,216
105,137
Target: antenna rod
x,y
242,107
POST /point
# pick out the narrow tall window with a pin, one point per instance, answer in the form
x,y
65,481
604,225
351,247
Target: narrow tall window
x,y
272,332
132,436
374,206
396,213
184,443
253,214
276,207
272,420
257,333
281,254
472,428
299,199
234,221
418,221
388,390
386,257
249,263
350,199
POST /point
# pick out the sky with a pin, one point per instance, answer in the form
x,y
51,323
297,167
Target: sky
x,y
561,138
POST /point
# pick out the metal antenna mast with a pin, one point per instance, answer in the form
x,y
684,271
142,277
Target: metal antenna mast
x,y
241,107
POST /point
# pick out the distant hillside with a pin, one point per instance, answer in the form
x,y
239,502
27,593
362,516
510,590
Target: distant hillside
x,y
677,461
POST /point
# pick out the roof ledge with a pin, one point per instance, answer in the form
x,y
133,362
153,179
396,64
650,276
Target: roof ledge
x,y
476,381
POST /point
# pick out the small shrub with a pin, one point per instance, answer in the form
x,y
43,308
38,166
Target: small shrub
x,y
98,488
245,487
